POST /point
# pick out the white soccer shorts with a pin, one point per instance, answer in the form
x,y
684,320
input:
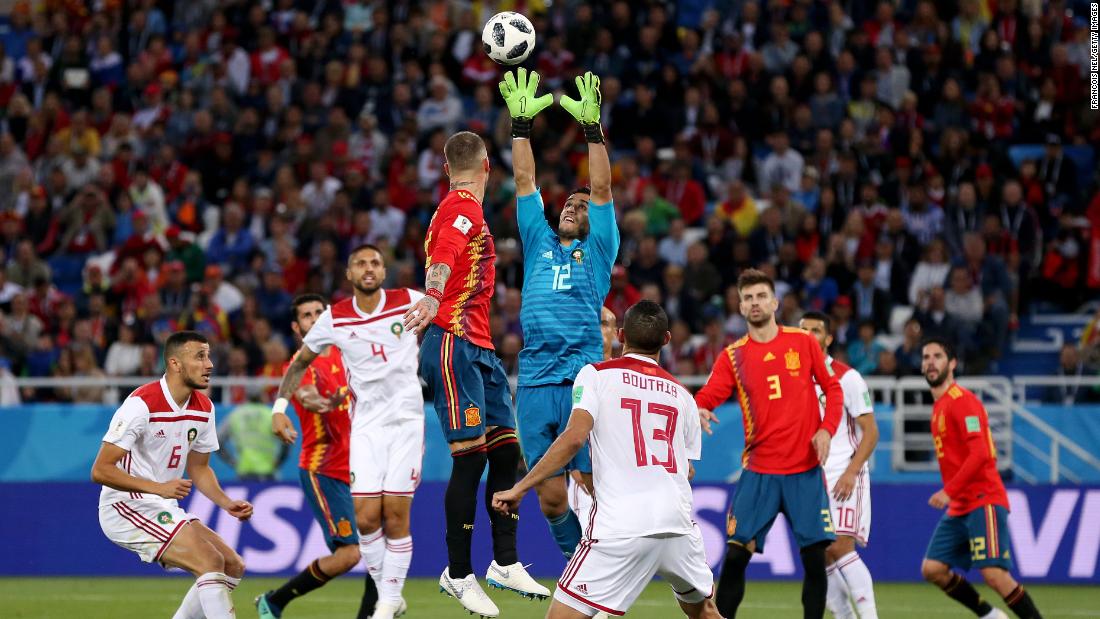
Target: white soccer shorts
x,y
144,526
610,574
386,459
852,516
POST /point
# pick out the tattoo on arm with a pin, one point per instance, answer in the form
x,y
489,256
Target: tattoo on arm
x,y
458,184
437,276
294,373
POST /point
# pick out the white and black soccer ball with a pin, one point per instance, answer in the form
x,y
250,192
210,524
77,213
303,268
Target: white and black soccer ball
x,y
508,38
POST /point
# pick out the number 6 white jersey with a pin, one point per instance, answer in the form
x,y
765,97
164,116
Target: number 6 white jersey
x,y
646,428
380,356
159,434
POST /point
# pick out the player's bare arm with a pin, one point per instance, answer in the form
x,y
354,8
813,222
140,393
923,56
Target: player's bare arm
x,y
281,425
421,315
847,482
105,471
523,166
198,469
560,453
314,402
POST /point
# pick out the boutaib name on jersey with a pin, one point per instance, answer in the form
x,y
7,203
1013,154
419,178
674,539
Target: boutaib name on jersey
x,y
649,383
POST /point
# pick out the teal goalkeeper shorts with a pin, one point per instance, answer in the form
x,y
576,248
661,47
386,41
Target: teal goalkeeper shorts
x,y
760,497
975,539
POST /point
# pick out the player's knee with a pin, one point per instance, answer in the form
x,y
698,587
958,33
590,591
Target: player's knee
x,y
347,557
368,522
998,579
842,546
209,558
233,564
553,498
395,524
934,572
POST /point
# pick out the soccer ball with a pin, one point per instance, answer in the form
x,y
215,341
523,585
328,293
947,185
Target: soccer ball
x,y
508,38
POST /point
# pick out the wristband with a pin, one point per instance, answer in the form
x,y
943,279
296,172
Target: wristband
x,y
279,406
593,133
521,127
435,294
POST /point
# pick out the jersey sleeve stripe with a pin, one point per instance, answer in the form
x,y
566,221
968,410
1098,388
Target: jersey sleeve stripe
x,y
746,409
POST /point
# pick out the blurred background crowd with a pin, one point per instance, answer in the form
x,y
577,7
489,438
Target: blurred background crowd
x,y
912,168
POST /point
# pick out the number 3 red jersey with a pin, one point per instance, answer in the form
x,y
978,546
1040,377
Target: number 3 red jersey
x,y
965,450
459,238
775,386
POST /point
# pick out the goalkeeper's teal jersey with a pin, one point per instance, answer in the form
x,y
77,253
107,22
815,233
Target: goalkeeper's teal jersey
x,y
564,288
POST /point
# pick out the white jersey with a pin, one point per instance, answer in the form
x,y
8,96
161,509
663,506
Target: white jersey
x,y
159,434
857,402
379,355
646,428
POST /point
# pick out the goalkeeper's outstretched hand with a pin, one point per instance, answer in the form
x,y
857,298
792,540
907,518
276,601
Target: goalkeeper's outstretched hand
x,y
587,110
519,94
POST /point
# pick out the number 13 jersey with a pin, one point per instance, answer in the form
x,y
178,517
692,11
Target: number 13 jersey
x,y
380,357
645,429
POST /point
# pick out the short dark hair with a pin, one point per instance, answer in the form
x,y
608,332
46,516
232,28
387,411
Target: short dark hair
x,y
302,299
464,151
942,342
751,277
585,190
365,247
644,327
822,317
178,339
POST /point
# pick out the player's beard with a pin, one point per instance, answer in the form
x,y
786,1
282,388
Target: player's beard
x,y
763,322
367,290
194,384
940,379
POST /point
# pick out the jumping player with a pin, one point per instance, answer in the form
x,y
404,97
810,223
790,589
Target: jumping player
x,y
849,483
387,422
466,378
321,404
567,274
773,370
974,531
161,430
644,429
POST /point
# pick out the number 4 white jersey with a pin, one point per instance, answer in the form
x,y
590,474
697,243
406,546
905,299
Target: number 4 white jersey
x,y
159,434
380,356
857,402
646,428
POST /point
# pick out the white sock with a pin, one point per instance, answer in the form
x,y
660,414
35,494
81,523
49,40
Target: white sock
x,y
190,608
860,585
837,597
373,548
395,566
232,582
213,588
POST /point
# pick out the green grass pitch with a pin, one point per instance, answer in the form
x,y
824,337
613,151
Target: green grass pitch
x,y
144,598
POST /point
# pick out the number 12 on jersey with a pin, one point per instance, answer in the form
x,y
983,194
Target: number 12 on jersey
x,y
665,435
562,273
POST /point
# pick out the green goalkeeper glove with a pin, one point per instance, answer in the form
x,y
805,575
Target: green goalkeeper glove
x,y
519,95
587,110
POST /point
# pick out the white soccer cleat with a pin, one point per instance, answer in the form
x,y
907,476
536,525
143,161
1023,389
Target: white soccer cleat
x,y
996,613
468,593
388,610
602,615
515,578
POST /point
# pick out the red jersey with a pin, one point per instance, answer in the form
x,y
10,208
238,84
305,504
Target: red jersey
x,y
459,238
325,436
964,447
775,387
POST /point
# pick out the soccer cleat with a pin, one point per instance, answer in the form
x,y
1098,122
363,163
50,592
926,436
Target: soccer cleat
x,y
996,613
515,578
387,610
266,609
602,615
468,593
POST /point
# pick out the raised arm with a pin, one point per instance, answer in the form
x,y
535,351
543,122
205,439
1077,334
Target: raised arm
x,y
518,91
281,425
587,113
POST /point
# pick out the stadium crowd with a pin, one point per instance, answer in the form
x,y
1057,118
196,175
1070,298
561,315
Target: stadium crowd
x,y
197,163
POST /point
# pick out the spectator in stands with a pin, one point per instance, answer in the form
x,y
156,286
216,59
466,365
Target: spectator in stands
x,y
26,267
908,353
869,302
86,222
232,244
124,354
783,166
863,353
1071,367
931,272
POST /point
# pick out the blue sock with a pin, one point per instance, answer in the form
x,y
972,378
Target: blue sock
x,y
566,530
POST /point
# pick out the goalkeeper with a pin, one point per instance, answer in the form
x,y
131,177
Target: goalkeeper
x,y
567,274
